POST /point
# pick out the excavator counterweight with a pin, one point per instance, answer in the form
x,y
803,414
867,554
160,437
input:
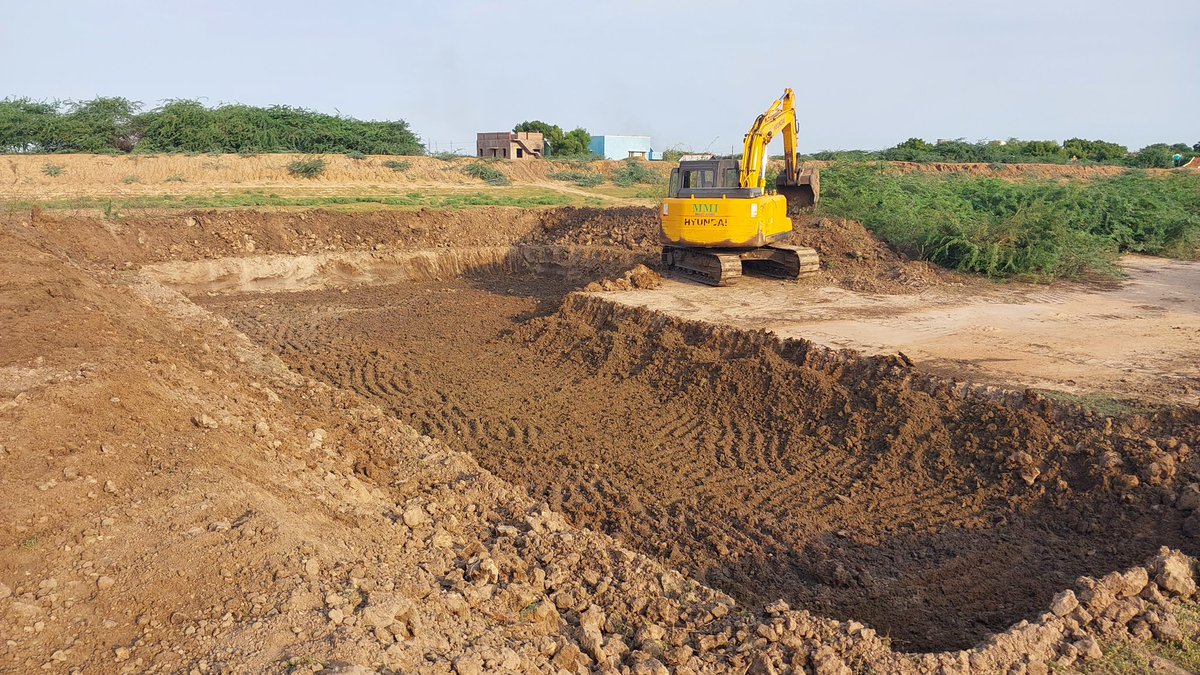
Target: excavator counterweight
x,y
719,219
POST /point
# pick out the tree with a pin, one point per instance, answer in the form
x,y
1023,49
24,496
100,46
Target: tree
x,y
1097,151
914,143
577,142
1155,156
552,134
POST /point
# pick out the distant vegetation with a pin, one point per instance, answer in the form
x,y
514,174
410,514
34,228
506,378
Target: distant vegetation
x,y
1035,229
117,125
1157,155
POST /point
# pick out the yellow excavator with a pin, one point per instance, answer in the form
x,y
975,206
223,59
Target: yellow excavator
x,y
718,217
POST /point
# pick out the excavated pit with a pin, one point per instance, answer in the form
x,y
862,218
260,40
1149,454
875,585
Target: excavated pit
x,y
851,486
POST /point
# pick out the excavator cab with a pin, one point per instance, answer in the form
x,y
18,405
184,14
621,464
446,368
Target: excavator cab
x,y
709,178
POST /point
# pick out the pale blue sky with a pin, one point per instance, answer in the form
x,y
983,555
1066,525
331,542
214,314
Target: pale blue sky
x,y
867,74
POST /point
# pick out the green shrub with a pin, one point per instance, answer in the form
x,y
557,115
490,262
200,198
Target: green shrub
x,y
1036,229
397,165
578,178
175,179
489,174
307,168
356,155
447,156
52,170
129,180
633,172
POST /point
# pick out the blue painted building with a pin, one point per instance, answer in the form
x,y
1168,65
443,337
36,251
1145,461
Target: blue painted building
x,y
622,147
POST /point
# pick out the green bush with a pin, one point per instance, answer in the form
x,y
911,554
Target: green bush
x,y
175,179
447,156
307,168
356,155
579,178
397,165
489,174
1035,229
633,172
52,170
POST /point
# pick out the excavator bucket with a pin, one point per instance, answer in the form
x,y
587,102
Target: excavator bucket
x,y
801,190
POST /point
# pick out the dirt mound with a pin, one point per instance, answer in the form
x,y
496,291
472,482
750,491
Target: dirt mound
x,y
853,258
769,469
639,276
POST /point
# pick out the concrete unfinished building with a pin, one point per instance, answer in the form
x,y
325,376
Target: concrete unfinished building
x,y
510,144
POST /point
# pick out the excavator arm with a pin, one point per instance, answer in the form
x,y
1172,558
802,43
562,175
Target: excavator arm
x,y
801,187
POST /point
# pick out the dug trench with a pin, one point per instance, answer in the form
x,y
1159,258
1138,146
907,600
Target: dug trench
x,y
852,486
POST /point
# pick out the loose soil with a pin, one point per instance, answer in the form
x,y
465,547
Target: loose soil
x,y
178,500
856,489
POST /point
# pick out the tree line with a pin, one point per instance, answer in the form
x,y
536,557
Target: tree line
x,y
1157,155
110,125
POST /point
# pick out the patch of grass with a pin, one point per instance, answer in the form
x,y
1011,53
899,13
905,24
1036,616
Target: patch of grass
x,y
307,168
488,174
446,156
397,165
52,170
306,662
130,180
634,172
578,178
356,155
1034,229
30,543
1104,405
175,179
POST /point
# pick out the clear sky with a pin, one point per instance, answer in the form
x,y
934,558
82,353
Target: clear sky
x,y
868,74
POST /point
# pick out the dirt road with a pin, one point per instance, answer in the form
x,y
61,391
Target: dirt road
x,y
1140,340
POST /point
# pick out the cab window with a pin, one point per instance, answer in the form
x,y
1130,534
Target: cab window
x,y
731,178
699,178
674,189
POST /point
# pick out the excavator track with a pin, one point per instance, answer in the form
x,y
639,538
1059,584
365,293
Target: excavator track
x,y
782,261
710,266
717,267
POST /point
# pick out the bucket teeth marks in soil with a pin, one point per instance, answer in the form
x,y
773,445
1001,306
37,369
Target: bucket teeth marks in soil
x,y
851,486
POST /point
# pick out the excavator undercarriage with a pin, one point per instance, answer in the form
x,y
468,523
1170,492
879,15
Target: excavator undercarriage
x,y
722,267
